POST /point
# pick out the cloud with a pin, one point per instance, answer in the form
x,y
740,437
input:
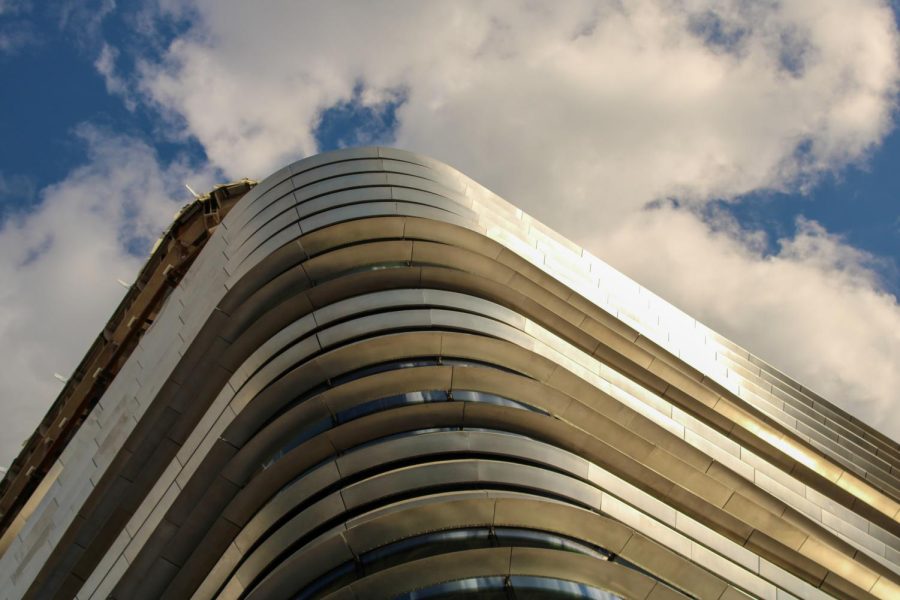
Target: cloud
x,y
590,118
587,116
83,19
814,309
608,103
115,84
14,39
15,188
64,259
16,29
15,7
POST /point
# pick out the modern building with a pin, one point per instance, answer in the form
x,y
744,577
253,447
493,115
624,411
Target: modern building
x,y
374,379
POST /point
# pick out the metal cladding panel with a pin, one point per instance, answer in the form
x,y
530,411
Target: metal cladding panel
x,y
377,370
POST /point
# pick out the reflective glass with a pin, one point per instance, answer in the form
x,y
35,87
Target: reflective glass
x,y
373,406
307,433
513,587
385,366
527,537
470,396
424,361
480,587
426,545
402,434
456,540
394,401
374,267
547,587
333,579
468,362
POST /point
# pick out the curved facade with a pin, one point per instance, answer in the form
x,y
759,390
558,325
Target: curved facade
x,y
380,380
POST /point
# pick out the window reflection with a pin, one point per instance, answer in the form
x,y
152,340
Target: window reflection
x,y
546,587
394,401
539,539
426,361
470,396
475,587
506,588
456,540
307,433
373,406
387,438
392,365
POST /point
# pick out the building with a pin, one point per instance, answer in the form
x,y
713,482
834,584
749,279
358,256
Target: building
x,y
377,379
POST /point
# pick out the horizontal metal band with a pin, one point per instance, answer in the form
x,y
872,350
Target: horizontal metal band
x,y
312,276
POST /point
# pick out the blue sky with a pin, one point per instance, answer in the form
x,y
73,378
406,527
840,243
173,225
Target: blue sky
x,y
767,167
56,87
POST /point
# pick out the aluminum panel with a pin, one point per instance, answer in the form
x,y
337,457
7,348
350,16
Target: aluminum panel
x,y
347,213
846,446
356,198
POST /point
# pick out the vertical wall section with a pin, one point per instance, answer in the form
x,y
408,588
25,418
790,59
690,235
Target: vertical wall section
x,y
380,380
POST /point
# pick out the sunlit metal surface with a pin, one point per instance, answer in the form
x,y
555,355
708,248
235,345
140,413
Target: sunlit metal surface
x,y
372,341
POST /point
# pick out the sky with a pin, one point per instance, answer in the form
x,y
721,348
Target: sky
x,y
740,159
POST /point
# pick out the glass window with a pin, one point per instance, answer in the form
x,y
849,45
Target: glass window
x,y
475,587
335,578
373,406
426,361
307,433
394,401
547,587
471,396
529,537
513,587
455,540
426,545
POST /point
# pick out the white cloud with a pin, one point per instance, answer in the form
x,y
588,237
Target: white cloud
x,y
814,309
624,104
585,115
115,84
16,30
63,261
16,186
12,40
83,19
14,7
581,116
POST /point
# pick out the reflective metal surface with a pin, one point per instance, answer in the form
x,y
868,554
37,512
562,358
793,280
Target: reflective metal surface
x,y
370,342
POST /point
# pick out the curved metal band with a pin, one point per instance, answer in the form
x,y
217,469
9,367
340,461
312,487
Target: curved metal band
x,y
340,263
356,538
537,562
285,383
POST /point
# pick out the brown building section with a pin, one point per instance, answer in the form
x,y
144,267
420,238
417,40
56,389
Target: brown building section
x,y
380,380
